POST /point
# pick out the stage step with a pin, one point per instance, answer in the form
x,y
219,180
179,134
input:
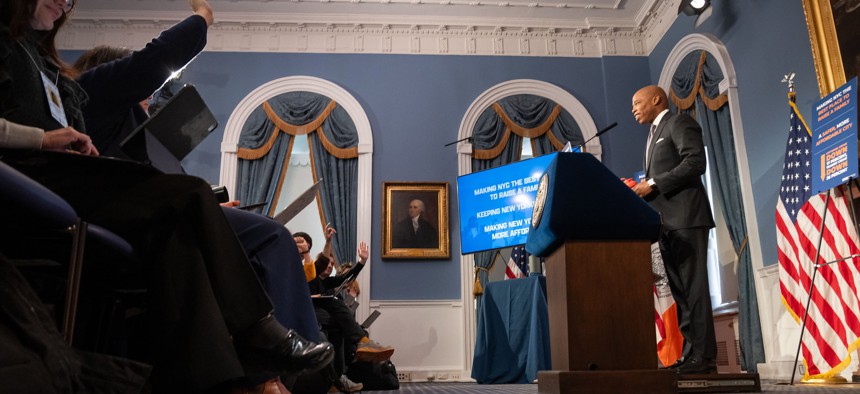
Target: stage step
x,y
720,383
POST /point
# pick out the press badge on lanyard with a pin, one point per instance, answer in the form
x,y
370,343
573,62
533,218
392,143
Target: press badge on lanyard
x,y
54,100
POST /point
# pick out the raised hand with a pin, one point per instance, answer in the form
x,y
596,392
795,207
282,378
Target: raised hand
x,y
202,8
363,252
329,232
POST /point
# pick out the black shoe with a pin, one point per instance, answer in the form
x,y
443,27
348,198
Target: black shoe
x,y
675,365
267,350
696,366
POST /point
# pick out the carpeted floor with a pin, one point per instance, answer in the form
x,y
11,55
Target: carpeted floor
x,y
472,388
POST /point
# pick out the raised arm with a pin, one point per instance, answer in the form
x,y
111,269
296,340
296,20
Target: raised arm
x,y
202,8
145,70
329,232
363,253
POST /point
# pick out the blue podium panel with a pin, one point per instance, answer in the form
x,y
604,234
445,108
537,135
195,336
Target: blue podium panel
x,y
580,199
512,342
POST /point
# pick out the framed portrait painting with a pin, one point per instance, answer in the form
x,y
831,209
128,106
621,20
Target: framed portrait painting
x,y
415,220
834,32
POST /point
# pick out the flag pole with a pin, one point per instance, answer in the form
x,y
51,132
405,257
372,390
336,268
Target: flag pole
x,y
855,183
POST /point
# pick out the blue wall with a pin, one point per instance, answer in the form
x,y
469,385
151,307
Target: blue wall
x,y
765,39
415,104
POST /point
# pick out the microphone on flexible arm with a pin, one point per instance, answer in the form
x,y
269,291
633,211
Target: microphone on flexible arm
x,y
598,134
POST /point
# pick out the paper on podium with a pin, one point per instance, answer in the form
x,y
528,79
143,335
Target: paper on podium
x,y
298,204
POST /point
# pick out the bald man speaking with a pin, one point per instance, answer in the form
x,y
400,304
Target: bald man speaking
x,y
674,164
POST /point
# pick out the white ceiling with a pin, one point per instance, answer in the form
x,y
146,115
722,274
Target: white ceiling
x,y
561,27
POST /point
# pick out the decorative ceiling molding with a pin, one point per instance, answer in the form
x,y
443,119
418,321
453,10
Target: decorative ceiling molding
x,y
391,34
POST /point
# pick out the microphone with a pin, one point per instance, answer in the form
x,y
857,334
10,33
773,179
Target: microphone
x,y
599,133
462,139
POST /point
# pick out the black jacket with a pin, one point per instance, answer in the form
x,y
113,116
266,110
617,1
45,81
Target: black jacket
x,y
677,163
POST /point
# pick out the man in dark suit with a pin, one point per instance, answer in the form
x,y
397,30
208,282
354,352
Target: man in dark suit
x,y
414,231
674,164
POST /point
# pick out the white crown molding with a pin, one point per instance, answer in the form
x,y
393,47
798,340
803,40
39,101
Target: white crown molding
x,y
386,34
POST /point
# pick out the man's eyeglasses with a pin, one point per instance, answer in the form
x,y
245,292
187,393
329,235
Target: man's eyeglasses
x,y
69,5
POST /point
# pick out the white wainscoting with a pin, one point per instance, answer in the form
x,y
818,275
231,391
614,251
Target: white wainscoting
x,y
427,337
786,332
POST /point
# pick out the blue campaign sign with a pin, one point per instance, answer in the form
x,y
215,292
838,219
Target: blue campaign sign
x,y
834,138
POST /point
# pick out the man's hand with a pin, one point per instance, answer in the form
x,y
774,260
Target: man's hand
x,y
643,189
202,8
69,139
363,253
629,182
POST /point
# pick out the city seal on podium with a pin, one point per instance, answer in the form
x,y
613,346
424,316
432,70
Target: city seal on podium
x,y
540,200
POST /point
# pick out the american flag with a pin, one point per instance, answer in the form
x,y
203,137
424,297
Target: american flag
x,y
518,264
833,325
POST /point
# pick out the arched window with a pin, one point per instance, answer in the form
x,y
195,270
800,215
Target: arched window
x,y
700,79
496,123
261,138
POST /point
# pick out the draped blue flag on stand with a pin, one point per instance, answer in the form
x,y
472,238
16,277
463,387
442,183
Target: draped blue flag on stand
x,y
518,264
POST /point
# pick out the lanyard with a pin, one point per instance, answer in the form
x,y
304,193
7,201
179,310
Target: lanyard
x,y
38,67
52,92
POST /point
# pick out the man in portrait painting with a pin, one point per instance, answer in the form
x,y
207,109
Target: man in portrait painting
x,y
414,231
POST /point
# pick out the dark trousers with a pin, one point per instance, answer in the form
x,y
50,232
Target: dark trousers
x,y
333,313
685,257
202,288
273,254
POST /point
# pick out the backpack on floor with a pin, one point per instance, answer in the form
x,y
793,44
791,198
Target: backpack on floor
x,y
374,375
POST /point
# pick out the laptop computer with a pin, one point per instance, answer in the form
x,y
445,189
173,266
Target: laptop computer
x,y
170,134
337,290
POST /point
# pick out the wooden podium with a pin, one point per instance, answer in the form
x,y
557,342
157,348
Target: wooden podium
x,y
596,235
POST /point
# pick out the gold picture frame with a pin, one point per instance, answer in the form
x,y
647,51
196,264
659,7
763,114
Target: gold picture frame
x,y
830,68
415,220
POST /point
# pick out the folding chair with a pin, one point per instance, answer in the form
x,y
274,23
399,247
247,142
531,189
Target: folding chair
x,y
28,208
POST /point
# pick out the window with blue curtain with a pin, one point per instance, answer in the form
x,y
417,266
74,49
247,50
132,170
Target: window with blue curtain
x,y
497,139
266,143
695,91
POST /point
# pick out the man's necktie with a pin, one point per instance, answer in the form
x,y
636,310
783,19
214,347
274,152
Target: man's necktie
x,y
648,144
